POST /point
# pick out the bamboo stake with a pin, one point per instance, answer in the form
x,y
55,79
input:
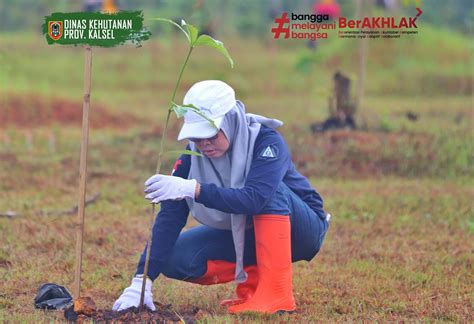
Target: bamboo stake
x,y
83,169
158,167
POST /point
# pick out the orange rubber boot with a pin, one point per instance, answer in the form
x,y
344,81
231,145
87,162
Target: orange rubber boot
x,y
245,290
219,271
275,288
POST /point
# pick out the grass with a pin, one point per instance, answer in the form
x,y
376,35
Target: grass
x,y
397,249
399,246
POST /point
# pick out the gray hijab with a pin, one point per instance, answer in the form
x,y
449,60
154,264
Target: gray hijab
x,y
229,171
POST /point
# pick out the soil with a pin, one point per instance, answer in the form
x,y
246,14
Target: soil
x,y
36,111
162,314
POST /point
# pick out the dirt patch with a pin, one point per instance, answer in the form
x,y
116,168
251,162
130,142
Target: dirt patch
x,y
162,314
5,263
34,111
8,158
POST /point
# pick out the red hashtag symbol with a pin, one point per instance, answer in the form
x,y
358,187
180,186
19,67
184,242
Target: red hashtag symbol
x,y
281,26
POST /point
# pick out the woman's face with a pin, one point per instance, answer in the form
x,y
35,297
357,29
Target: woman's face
x,y
213,147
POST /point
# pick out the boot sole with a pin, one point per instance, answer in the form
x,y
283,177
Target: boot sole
x,y
281,312
273,310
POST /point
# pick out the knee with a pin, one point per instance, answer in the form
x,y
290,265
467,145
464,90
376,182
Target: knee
x,y
183,266
186,260
308,246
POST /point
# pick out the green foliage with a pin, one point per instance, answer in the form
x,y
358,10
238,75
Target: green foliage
x,y
175,24
385,125
181,110
305,62
206,40
194,40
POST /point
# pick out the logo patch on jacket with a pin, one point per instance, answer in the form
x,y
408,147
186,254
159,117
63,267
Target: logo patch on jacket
x,y
269,152
176,165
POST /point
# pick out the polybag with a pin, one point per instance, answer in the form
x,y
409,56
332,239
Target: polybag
x,y
52,296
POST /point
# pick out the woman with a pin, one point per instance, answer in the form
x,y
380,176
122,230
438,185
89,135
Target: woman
x,y
258,213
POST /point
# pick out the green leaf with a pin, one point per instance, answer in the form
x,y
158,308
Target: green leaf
x,y
181,110
192,32
193,107
207,40
198,111
173,23
187,152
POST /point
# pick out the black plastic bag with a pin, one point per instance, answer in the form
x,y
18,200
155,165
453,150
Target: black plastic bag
x,y
52,296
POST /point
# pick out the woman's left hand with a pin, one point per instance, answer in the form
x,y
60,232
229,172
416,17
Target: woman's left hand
x,y
163,187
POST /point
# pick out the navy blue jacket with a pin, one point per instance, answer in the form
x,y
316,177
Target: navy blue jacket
x,y
271,164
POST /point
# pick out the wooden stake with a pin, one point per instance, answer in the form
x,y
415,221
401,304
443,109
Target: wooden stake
x,y
83,169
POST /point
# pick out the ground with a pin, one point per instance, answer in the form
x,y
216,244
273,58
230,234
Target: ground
x,y
400,243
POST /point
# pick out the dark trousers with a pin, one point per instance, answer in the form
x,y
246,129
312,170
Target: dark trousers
x,y
200,244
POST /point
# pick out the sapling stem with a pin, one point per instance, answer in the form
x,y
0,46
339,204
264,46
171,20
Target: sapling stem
x,y
158,167
194,39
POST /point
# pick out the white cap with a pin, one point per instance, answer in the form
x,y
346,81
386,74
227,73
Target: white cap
x,y
214,98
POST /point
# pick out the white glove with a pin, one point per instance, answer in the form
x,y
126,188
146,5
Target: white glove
x,y
131,296
162,187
